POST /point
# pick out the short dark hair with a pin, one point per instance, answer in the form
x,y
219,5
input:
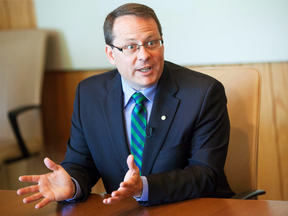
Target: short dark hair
x,y
139,10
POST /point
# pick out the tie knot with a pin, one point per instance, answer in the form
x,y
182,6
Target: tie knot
x,y
138,97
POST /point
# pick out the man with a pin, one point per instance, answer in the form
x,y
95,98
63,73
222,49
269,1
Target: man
x,y
182,151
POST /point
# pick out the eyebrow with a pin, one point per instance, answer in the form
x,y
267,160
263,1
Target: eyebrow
x,y
134,40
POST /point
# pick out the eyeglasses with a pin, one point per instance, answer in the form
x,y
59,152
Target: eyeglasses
x,y
132,48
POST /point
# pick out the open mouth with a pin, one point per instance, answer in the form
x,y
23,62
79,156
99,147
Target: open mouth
x,y
145,69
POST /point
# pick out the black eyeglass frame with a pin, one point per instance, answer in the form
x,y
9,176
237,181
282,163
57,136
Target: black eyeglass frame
x,y
138,45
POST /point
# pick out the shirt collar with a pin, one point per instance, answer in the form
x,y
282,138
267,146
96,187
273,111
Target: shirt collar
x,y
128,91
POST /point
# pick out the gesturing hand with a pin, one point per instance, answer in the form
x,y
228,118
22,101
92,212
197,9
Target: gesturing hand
x,y
131,186
55,186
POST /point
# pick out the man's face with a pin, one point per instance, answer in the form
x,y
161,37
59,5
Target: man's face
x,y
143,68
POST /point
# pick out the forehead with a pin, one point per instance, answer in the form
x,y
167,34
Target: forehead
x,y
131,27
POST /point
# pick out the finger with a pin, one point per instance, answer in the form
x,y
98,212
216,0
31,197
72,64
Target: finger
x,y
117,194
30,189
126,184
30,178
51,165
33,198
122,193
131,164
107,201
111,200
130,188
43,203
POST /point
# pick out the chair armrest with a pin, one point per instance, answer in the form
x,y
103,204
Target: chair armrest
x,y
13,120
248,194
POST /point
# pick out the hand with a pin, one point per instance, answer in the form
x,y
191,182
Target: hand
x,y
131,186
55,186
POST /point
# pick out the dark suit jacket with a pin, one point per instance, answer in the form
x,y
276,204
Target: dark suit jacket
x,y
183,158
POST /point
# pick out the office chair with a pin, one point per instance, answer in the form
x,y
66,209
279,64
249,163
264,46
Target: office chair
x,y
22,57
243,90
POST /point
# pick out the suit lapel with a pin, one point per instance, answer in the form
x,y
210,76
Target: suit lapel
x,y
112,107
162,114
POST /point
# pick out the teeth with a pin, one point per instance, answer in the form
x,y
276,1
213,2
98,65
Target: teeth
x,y
145,69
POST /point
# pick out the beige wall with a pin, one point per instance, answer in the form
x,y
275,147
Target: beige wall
x,y
59,89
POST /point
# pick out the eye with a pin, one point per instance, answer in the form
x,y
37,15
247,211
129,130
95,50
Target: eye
x,y
151,43
131,46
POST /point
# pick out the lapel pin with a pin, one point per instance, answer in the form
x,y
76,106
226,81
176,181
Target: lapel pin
x,y
163,117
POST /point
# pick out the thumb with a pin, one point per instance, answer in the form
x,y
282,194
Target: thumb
x,y
51,165
131,164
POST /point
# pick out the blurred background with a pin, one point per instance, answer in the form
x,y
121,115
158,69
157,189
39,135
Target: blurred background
x,y
196,33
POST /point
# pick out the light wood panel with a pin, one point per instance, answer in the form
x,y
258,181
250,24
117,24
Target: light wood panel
x,y
4,24
268,169
280,80
58,96
272,170
17,14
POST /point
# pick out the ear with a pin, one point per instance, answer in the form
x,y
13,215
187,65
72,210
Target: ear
x,y
162,44
110,54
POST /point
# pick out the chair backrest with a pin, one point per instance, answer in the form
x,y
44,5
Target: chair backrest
x,y
22,57
243,89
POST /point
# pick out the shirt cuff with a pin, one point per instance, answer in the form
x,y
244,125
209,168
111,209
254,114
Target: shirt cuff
x,y
145,192
78,191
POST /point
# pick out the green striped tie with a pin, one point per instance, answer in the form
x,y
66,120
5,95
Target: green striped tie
x,y
138,128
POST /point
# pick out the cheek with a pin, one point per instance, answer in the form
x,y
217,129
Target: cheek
x,y
124,61
161,55
125,68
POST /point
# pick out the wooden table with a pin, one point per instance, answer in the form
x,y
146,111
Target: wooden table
x,y
11,204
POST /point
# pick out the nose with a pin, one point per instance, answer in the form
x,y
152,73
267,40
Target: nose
x,y
143,53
